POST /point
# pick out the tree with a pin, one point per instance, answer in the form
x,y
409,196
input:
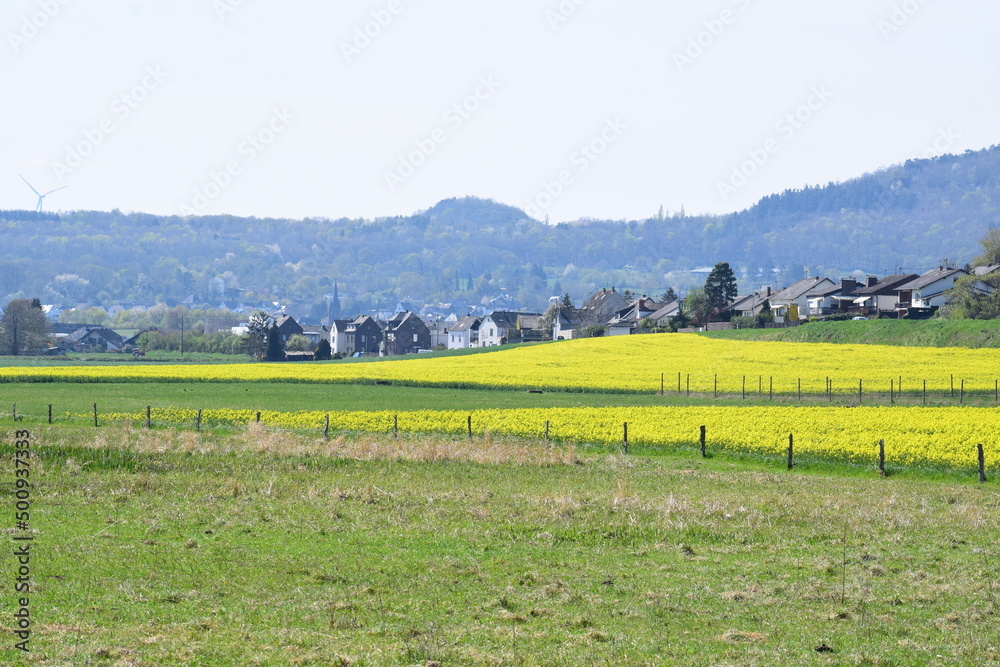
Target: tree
x,y
256,335
566,301
323,351
696,306
23,328
298,343
991,249
275,348
669,296
720,289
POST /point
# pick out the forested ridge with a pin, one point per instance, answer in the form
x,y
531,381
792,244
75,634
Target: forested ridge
x,y
910,216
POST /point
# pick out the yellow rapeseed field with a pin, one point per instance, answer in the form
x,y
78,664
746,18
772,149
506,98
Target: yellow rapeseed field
x,y
619,364
915,436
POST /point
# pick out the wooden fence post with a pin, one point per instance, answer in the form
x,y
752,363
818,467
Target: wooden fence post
x,y
953,385
715,390
925,392
14,412
859,391
892,391
800,390
962,399
50,413
704,454
689,385
791,455
982,464
95,415
197,423
678,383
326,428
546,430
625,436
258,416
395,426
470,427
881,457
149,417
744,394
663,379
771,387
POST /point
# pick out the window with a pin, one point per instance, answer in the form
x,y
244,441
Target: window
x,y
415,337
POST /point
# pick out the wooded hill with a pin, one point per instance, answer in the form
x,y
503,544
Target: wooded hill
x,y
910,217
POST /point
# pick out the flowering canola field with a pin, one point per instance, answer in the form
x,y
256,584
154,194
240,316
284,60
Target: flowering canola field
x,y
617,364
915,436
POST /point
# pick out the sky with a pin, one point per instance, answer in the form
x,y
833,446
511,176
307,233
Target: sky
x,y
567,109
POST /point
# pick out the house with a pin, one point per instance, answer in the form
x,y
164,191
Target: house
x,y
287,327
501,327
626,321
464,333
829,299
439,334
91,338
751,305
339,336
52,312
405,333
980,271
929,291
795,298
599,309
364,336
880,296
528,327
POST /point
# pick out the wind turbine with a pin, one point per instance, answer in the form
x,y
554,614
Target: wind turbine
x,y
41,197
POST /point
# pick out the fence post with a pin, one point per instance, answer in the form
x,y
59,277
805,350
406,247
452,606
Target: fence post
x,y
395,426
625,436
326,428
800,390
197,424
50,413
881,457
689,385
14,412
95,415
678,383
744,394
258,416
704,454
663,379
470,427
546,430
962,399
982,465
791,445
953,385
771,387
715,390
925,392
860,382
149,417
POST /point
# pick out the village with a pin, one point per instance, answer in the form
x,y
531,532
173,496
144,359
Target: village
x,y
607,312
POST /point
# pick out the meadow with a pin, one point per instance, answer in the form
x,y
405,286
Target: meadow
x,y
264,547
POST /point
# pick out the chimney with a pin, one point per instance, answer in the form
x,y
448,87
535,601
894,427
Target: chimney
x,y
848,285
767,292
871,281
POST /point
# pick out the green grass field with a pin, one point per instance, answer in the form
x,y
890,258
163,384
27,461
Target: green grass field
x,y
165,548
914,333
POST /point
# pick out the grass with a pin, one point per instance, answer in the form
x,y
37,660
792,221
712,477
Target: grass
x,y
260,547
912,333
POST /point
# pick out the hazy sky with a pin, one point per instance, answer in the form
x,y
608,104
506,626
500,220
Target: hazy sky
x,y
579,108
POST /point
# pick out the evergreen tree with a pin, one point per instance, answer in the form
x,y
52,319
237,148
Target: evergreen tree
x,y
323,351
275,348
256,335
720,289
567,302
669,296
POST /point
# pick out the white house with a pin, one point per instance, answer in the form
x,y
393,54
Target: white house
x,y
464,333
497,328
930,290
796,294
